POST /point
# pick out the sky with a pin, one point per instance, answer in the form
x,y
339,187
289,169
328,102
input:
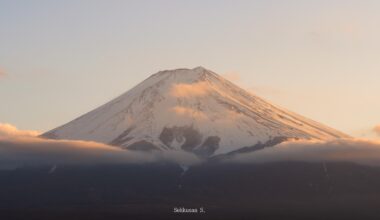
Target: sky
x,y
61,59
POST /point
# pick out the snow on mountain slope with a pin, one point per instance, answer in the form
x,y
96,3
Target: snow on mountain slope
x,y
194,110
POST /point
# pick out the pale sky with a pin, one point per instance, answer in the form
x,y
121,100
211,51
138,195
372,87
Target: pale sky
x,y
60,59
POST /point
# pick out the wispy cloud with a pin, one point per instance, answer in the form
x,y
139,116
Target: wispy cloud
x,y
376,129
8,130
2,73
31,151
359,151
22,148
189,89
335,31
189,112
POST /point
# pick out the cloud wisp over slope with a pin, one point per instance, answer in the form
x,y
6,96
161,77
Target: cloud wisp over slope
x,y
360,151
23,148
376,129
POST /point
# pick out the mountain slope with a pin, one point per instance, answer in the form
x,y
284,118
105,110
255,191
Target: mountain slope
x,y
190,109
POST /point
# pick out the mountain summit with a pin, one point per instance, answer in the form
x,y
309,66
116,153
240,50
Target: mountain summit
x,y
194,110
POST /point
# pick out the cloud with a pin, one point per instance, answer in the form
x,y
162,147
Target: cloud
x,y
376,129
31,151
359,151
8,130
34,151
18,149
338,30
189,112
190,89
2,73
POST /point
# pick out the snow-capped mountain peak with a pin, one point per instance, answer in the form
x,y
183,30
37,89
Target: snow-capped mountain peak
x,y
194,110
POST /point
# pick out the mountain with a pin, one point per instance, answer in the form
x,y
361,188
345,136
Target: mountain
x,y
194,110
